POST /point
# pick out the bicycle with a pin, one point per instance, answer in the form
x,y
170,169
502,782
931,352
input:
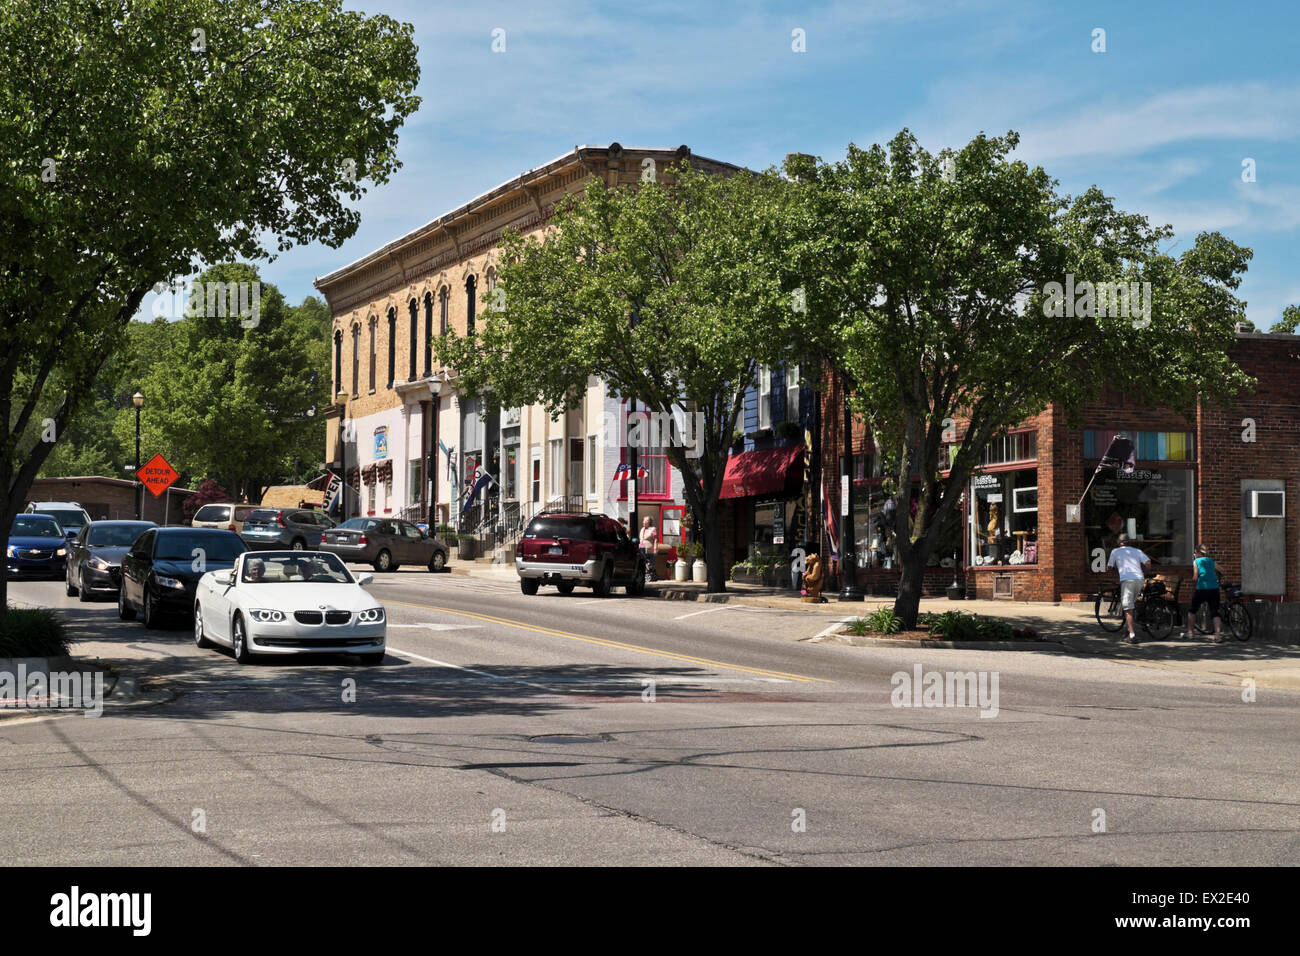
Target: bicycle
x,y
1152,610
1233,612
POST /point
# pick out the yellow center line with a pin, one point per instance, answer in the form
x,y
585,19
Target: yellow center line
x,y
601,642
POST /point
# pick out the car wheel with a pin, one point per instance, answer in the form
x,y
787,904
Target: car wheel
x,y
606,582
528,585
566,587
67,582
298,545
438,561
383,561
83,595
124,610
636,587
239,640
200,640
372,659
150,609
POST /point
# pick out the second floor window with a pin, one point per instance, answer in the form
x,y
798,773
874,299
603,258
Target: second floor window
x,y
415,319
471,288
392,346
356,357
428,334
444,307
338,362
373,324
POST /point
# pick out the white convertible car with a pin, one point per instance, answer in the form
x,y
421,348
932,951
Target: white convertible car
x,y
289,602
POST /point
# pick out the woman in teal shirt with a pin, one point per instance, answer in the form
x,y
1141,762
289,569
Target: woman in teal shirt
x,y
1207,591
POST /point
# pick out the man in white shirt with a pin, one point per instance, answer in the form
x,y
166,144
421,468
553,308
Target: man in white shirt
x,y
1131,564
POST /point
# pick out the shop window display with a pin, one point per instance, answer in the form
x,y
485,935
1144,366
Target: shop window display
x,y
875,527
1004,518
1155,509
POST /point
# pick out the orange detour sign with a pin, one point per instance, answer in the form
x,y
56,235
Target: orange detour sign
x,y
157,475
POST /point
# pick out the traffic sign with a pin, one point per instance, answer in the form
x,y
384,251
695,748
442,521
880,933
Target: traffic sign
x,y
157,475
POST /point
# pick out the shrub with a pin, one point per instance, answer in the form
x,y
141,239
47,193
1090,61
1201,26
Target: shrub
x,y
859,626
993,629
954,625
32,632
883,620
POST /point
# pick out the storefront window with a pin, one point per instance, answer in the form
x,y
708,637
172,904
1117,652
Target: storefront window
x,y
1004,518
771,522
1155,509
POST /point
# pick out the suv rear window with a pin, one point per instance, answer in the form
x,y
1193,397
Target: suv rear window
x,y
262,514
212,513
580,528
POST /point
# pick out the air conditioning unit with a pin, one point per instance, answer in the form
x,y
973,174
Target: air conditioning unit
x,y
1267,504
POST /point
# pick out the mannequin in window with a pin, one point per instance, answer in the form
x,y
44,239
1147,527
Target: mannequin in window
x,y
994,537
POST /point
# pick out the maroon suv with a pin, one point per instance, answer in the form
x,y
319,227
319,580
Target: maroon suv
x,y
571,549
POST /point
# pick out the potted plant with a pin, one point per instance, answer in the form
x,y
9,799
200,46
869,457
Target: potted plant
x,y
699,570
790,430
737,441
467,546
685,554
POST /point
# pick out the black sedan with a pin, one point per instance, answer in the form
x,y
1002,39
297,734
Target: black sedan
x,y
94,561
161,571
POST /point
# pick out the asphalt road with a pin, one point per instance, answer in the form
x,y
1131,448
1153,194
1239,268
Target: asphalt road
x,y
574,730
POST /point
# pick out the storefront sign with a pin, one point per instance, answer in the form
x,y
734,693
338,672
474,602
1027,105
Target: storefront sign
x,y
844,496
381,442
994,499
778,522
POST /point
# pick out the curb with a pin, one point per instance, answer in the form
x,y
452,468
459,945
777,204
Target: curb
x,y
954,645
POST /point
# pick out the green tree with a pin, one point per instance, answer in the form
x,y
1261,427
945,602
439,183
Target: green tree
x,y
139,139
1289,321
669,292
931,278
236,401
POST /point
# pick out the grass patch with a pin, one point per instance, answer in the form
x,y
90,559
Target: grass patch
x,y
961,626
32,632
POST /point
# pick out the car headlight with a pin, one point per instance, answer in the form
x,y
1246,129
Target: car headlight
x,y
266,615
61,553
374,615
9,552
99,564
166,582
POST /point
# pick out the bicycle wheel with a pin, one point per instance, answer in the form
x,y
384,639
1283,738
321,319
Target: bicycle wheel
x,y
1238,620
1157,618
1109,614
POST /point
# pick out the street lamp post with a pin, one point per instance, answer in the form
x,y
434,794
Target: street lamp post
x,y
848,549
138,401
342,399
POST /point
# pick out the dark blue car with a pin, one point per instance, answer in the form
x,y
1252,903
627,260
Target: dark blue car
x,y
37,547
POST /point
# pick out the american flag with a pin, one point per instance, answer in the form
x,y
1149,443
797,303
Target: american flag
x,y
624,471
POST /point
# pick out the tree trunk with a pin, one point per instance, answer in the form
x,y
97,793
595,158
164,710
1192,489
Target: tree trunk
x,y
713,546
910,585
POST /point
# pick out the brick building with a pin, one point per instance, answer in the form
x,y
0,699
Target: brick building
x,y
1194,482
112,498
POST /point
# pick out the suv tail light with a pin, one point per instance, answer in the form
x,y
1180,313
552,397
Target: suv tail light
x,y
230,527
322,539
363,541
279,519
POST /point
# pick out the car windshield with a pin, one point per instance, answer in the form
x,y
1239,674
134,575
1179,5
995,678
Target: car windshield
x,y
316,568
225,546
68,519
359,524
559,528
115,535
35,526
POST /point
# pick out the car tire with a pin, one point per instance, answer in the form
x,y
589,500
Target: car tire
x,y
124,610
605,585
370,660
200,640
566,587
298,545
384,561
83,596
438,561
239,640
67,583
636,587
528,585
149,611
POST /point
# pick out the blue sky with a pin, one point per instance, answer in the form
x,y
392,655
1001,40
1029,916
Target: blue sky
x,y
1162,120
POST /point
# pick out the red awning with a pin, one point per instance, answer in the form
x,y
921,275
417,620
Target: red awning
x,y
764,472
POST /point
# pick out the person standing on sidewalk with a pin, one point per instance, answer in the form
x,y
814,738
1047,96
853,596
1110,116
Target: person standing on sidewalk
x,y
1131,563
649,542
1207,592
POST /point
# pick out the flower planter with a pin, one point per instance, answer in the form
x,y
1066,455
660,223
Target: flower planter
x,y
957,593
681,571
467,548
700,572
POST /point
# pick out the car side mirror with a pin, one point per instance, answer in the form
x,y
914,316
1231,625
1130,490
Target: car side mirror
x,y
226,578
365,578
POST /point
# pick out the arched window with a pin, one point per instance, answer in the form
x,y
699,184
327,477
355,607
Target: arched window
x,y
356,358
373,323
471,286
490,286
415,318
338,363
428,334
444,307
392,346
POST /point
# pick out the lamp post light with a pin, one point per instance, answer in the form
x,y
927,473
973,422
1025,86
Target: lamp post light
x,y
138,401
848,548
342,399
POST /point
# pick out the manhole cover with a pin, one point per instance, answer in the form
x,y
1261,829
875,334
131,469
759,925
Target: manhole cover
x,y
571,739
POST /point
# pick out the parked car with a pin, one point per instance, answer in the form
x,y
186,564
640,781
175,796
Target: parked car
x,y
70,515
36,547
387,543
229,517
94,561
161,571
282,529
289,602
568,550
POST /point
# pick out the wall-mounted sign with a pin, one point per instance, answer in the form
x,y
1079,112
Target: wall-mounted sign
x,y
381,442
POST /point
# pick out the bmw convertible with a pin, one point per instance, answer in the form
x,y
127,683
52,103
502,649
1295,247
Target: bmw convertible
x,y
277,603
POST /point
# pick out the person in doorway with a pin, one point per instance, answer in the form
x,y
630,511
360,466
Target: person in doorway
x,y
649,541
1207,592
1131,563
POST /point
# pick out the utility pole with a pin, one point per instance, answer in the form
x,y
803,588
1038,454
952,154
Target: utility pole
x,y
848,551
